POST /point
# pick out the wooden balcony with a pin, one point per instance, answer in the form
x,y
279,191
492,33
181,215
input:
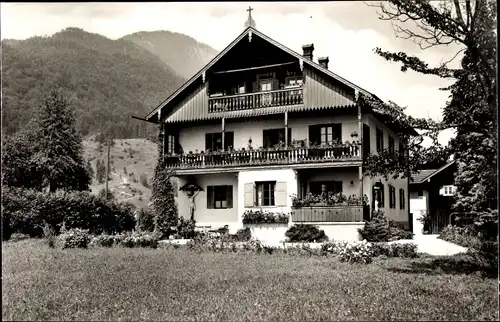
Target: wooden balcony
x,y
329,214
281,156
292,96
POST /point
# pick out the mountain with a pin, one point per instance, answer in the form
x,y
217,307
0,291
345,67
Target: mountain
x,y
106,80
183,53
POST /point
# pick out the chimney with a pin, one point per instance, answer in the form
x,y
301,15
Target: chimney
x,y
323,61
308,51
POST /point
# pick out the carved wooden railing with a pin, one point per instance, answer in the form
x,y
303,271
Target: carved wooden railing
x,y
256,100
340,152
329,214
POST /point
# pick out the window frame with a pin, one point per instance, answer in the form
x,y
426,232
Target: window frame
x,y
212,200
260,199
379,134
401,199
392,145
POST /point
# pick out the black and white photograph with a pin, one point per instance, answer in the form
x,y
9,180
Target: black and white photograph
x,y
249,161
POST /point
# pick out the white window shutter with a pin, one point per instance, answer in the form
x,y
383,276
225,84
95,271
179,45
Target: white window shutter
x,y
281,194
249,197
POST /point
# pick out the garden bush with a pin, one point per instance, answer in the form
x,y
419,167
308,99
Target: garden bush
x,y
380,229
305,233
146,220
18,237
243,234
103,240
28,210
75,238
185,228
138,239
463,236
406,250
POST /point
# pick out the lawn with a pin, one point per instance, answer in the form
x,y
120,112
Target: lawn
x,y
40,283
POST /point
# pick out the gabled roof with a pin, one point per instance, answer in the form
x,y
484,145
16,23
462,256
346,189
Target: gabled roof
x,y
254,31
425,175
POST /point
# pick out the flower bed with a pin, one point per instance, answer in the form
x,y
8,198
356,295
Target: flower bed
x,y
264,217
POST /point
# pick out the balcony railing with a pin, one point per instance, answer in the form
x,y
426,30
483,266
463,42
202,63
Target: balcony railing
x,y
256,100
329,214
340,152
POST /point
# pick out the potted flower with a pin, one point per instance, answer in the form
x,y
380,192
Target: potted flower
x,y
354,134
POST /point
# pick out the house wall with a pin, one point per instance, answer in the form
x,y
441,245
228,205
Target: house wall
x,y
335,174
203,215
193,138
400,216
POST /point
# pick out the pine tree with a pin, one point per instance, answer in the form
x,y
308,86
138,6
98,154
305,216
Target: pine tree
x,y
49,150
164,206
100,171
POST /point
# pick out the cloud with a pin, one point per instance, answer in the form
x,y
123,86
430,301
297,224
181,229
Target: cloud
x,y
347,32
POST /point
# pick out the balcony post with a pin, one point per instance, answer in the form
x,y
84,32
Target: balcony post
x,y
223,130
360,135
286,129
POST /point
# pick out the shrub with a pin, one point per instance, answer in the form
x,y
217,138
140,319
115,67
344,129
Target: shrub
x,y
305,233
243,234
163,199
463,236
146,220
18,237
138,239
264,217
405,250
28,210
381,229
185,228
103,240
75,238
357,252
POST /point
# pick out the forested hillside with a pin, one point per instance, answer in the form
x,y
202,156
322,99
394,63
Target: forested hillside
x,y
107,80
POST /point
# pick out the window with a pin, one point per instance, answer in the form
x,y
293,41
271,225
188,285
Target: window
x,y
265,193
219,197
275,136
378,195
325,133
328,187
266,85
392,197
448,190
391,145
401,199
380,140
169,144
213,141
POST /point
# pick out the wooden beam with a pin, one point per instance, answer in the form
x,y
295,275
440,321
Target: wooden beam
x,y
253,68
143,119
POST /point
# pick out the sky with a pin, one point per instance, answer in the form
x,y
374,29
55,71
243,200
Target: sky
x,y
345,31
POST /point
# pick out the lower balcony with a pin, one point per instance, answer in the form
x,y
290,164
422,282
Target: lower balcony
x,y
275,156
340,213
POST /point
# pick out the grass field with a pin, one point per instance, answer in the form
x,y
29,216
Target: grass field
x,y
146,284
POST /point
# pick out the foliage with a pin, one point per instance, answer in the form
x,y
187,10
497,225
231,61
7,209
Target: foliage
x,y
48,153
103,240
243,234
311,199
162,196
405,250
185,228
106,79
380,229
18,236
102,195
28,210
426,220
305,233
350,252
100,171
90,170
49,235
472,108
139,239
462,236
264,217
146,220
75,238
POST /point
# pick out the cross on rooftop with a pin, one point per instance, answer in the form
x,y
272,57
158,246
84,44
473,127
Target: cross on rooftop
x,y
250,22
